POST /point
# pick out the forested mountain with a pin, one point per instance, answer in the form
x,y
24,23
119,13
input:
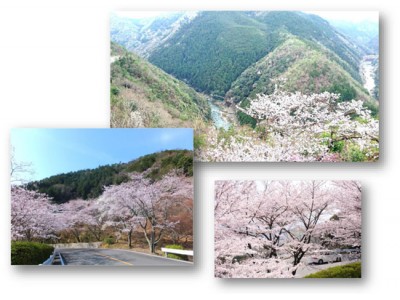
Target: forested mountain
x,y
213,50
89,184
216,47
297,65
142,95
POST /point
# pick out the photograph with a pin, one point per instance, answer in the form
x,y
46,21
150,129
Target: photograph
x,y
287,229
260,86
102,197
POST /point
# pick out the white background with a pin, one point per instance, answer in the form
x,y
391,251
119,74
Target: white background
x,y
54,72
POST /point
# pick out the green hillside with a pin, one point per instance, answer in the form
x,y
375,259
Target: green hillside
x,y
212,50
314,28
142,95
216,47
297,65
88,184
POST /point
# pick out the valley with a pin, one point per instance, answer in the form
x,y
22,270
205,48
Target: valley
x,y
211,70
218,114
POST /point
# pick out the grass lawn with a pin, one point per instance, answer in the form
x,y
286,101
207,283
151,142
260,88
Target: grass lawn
x,y
352,270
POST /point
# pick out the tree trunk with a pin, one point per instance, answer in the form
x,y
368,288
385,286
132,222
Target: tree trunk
x,y
152,241
130,239
76,234
297,258
28,235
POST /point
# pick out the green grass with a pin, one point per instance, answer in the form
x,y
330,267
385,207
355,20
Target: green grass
x,y
176,256
352,270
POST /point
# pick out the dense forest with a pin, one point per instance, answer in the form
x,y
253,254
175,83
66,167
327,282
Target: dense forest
x,y
89,184
215,48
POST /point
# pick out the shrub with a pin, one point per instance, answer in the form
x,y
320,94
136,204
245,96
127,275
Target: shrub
x,y
245,119
199,141
352,270
133,106
114,91
355,154
176,256
346,91
373,107
337,146
109,240
29,253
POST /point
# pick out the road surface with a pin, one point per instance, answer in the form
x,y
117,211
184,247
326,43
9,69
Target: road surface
x,y
115,257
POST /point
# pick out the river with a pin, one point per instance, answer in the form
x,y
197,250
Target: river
x,y
216,114
367,72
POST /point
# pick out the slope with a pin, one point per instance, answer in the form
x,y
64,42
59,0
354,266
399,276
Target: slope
x,y
88,184
297,65
212,50
142,95
144,35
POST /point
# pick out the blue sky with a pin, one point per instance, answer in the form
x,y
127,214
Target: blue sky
x,y
54,151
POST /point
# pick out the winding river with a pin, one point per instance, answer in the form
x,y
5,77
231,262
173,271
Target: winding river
x,y
367,72
216,115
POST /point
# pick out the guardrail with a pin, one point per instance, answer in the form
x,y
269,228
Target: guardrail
x,y
54,260
177,251
93,245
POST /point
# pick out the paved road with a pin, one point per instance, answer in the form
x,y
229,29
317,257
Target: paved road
x,y
115,257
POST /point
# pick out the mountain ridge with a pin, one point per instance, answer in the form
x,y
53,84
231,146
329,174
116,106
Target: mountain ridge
x,y
89,183
296,65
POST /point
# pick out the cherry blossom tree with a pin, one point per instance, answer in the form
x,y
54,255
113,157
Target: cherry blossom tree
x,y
20,171
95,220
79,216
345,226
73,216
33,217
313,201
265,229
243,246
141,204
182,215
298,127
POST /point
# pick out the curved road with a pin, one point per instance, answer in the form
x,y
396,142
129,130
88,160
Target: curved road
x,y
115,257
